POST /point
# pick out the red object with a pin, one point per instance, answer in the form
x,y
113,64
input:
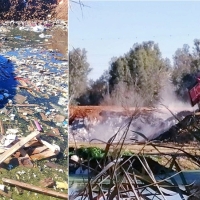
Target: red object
x,y
18,78
39,128
195,93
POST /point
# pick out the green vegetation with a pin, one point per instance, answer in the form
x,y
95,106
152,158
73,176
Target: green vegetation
x,y
136,78
89,152
32,176
79,69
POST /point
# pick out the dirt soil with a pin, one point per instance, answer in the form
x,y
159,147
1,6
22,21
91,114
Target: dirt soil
x,y
61,11
59,41
97,112
18,10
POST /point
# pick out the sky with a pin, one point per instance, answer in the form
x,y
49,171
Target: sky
x,y
108,29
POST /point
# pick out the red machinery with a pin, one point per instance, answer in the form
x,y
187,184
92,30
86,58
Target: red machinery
x,y
194,93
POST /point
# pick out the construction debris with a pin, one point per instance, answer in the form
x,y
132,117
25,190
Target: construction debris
x,y
29,10
32,153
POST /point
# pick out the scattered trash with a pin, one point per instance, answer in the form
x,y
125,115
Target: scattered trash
x,y
32,102
61,185
35,188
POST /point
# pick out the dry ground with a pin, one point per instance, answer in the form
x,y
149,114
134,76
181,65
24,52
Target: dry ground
x,y
62,10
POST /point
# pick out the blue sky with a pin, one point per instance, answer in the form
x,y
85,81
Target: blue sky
x,y
108,29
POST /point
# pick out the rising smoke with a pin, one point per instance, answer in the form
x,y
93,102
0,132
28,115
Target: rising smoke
x,y
150,124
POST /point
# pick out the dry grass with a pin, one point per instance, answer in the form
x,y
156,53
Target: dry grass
x,y
124,181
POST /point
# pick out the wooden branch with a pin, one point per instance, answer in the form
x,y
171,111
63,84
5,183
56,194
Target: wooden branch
x,y
35,188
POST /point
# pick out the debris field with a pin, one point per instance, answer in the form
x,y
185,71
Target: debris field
x,y
33,112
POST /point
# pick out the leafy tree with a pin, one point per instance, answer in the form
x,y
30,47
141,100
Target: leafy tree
x,y
186,68
96,91
123,95
78,72
142,67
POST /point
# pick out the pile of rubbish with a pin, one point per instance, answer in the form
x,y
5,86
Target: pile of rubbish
x,y
32,10
186,130
102,122
26,149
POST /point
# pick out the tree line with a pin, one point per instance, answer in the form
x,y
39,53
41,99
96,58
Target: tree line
x,y
136,78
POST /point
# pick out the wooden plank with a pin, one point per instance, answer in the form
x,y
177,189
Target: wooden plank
x,y
33,188
2,193
32,151
23,105
45,154
23,153
2,128
18,145
26,161
23,83
54,87
32,143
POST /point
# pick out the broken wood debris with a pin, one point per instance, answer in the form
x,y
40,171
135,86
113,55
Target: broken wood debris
x,y
18,145
47,182
27,149
33,188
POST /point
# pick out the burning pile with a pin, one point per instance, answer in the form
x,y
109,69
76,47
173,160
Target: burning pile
x,y
101,122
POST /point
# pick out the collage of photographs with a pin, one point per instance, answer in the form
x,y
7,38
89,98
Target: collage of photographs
x,y
99,100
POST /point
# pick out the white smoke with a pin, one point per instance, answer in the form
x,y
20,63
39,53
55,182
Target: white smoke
x,y
151,125
170,102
